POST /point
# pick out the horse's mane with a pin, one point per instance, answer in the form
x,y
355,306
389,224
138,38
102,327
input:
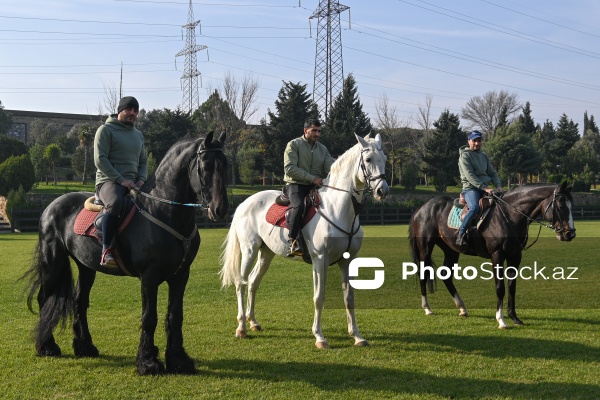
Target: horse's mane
x,y
524,189
174,151
343,162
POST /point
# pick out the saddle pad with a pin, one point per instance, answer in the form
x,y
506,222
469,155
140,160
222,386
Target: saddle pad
x,y
276,215
84,223
454,221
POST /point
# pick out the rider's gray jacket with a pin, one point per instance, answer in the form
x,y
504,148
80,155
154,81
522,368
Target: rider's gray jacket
x,y
303,162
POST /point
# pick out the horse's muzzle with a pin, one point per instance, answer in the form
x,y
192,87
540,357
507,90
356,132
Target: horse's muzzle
x,y
565,234
381,191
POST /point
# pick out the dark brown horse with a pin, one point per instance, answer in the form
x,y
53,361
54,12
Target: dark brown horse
x,y
501,237
154,249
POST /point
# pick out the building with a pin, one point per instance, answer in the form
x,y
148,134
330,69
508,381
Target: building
x,y
22,120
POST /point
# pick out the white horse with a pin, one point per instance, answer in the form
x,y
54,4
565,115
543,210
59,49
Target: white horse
x,y
332,235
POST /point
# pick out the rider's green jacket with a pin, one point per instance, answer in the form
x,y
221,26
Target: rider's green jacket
x,y
303,162
476,171
119,153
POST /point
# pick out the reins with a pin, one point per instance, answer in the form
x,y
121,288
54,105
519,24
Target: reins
x,y
529,219
357,206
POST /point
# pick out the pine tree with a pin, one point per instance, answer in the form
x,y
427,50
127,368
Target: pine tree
x,y
346,118
525,121
293,107
441,150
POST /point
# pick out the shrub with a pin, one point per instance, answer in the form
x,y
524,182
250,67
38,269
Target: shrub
x,y
16,171
17,199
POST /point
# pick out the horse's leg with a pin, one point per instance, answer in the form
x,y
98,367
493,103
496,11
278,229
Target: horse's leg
x,y
177,360
147,357
248,256
82,339
515,262
451,258
425,250
319,284
348,292
498,265
263,261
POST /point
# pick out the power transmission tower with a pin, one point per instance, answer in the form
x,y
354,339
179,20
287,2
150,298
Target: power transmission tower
x,y
329,66
189,79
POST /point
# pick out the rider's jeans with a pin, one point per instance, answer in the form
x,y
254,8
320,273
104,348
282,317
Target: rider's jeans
x,y
472,197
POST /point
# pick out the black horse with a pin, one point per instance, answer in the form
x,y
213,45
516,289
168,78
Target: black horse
x,y
158,248
502,236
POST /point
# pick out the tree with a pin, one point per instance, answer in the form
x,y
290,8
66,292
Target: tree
x,y
14,172
388,125
441,150
162,128
566,135
512,152
525,120
240,98
487,112
11,147
345,118
250,163
292,108
81,161
5,120
52,155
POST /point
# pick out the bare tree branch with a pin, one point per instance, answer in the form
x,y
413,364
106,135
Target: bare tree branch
x,y
487,112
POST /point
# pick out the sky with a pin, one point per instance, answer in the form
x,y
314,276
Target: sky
x,y
65,56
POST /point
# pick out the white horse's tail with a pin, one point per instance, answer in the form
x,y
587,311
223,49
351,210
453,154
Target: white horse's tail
x,y
230,258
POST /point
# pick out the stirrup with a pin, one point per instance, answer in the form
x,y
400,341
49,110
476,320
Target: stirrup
x,y
295,249
108,259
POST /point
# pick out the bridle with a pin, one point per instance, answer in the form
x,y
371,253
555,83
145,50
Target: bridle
x,y
203,202
186,240
553,204
355,203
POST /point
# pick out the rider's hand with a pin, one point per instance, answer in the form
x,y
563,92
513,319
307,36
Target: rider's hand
x,y
128,184
318,181
139,184
500,190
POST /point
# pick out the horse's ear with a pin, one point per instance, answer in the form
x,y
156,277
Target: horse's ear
x,y
208,139
378,141
563,186
368,135
222,137
362,141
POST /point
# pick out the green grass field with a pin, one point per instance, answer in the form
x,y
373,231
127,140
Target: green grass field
x,y
556,355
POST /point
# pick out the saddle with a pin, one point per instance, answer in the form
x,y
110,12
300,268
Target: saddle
x,y
278,212
460,209
89,221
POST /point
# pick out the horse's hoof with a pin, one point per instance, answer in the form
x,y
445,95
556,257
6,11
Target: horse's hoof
x,y
49,350
503,327
150,367
428,311
518,322
85,349
256,328
322,345
361,343
240,334
463,314
178,362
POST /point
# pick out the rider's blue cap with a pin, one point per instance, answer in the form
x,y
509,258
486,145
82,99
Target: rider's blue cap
x,y
475,135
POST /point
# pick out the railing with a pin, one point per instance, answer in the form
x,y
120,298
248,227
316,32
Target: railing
x,y
27,220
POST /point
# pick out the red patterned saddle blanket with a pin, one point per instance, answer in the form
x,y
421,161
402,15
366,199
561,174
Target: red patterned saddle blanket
x,y
276,213
84,223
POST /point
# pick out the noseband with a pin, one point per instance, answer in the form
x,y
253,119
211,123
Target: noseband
x,y
554,205
368,177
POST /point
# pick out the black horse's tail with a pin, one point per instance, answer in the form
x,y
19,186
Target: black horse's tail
x,y
414,248
50,280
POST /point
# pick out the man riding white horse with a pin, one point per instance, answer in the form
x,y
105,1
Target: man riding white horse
x,y
306,162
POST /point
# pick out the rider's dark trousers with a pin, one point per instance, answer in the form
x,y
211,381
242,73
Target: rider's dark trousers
x,y
296,194
113,196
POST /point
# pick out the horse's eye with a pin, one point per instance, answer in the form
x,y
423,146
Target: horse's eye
x,y
368,159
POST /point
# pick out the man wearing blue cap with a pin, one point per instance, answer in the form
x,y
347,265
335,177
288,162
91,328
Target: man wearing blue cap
x,y
476,173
